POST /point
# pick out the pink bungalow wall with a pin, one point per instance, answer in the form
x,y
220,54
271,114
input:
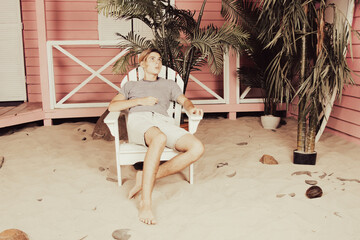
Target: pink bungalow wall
x,y
77,20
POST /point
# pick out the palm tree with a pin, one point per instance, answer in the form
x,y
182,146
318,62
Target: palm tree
x,y
185,45
315,52
246,13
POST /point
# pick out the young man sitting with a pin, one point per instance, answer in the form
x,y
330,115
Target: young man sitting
x,y
148,124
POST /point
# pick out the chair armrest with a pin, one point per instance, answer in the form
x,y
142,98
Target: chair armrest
x,y
194,121
111,120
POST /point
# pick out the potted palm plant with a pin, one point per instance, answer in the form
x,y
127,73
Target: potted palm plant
x,y
314,50
246,13
184,43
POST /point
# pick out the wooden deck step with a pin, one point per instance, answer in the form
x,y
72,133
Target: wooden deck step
x,y
23,113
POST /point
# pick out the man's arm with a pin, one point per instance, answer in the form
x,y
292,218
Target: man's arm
x,y
189,107
119,102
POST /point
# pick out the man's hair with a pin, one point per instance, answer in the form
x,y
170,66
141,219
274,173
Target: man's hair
x,y
146,53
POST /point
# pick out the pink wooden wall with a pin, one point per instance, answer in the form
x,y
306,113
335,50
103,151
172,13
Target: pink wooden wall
x,y
31,50
77,20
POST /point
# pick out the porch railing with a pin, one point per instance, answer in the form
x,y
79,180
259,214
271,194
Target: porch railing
x,y
54,104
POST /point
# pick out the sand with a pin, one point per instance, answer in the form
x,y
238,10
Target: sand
x,y
56,183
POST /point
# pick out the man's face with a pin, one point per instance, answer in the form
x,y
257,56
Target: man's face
x,y
152,64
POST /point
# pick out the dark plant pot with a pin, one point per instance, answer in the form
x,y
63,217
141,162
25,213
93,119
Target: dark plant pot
x,y
304,158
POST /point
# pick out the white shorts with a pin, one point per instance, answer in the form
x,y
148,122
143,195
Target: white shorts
x,y
139,122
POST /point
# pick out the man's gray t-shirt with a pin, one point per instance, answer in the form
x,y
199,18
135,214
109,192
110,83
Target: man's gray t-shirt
x,y
164,90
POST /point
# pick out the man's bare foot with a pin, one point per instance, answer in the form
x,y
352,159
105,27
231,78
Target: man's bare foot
x,y
145,214
137,186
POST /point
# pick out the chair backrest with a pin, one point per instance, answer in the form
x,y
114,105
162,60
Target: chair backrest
x,y
137,74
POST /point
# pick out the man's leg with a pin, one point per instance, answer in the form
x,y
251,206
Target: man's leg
x,y
156,141
191,150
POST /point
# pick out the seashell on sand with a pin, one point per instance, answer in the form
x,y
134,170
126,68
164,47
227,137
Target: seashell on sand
x,y
121,234
311,182
13,234
267,159
314,192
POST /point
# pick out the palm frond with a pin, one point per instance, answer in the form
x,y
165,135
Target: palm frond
x,y
136,44
126,62
243,12
207,42
232,35
145,10
252,77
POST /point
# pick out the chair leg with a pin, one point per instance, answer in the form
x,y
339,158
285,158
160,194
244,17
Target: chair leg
x,y
191,173
119,178
118,169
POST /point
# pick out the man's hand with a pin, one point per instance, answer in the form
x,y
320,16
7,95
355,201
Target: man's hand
x,y
196,111
148,101
189,107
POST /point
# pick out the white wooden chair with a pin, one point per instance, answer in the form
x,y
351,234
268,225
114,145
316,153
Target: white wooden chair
x,y
129,154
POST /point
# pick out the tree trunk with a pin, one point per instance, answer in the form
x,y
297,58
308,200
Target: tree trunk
x,y
310,142
313,116
301,132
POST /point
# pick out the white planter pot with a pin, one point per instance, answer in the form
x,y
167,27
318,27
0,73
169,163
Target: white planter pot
x,y
270,121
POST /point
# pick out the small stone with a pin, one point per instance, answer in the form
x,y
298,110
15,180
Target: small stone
x,y
2,160
292,194
267,159
39,199
121,234
13,234
242,143
280,195
311,182
314,192
111,179
101,169
84,138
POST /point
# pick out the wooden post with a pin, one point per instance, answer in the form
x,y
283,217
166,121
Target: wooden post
x,y
41,31
233,92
